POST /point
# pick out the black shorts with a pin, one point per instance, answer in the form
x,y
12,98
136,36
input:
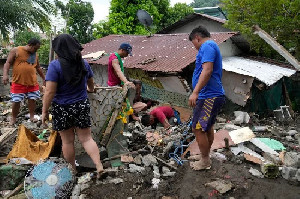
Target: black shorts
x,y
71,115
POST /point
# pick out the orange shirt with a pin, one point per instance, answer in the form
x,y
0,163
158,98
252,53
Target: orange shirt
x,y
24,73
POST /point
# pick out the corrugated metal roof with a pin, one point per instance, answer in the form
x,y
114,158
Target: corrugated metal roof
x,y
265,72
160,53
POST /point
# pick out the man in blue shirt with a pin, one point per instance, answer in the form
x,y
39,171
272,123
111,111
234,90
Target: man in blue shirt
x,y
208,93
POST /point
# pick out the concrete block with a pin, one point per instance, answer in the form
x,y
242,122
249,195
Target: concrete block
x,y
289,173
292,159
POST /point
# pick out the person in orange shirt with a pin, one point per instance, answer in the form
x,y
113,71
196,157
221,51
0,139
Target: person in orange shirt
x,y
24,60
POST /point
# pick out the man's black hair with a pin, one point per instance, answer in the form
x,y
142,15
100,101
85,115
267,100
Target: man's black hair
x,y
201,31
145,120
33,42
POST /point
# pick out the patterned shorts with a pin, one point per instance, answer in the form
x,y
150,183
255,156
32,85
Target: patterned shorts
x,y
71,115
18,97
206,111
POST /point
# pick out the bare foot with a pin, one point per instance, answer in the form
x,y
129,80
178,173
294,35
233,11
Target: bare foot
x,y
100,171
201,165
34,120
195,157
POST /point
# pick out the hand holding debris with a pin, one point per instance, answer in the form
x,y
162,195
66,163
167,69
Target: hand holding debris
x,y
45,117
130,84
192,99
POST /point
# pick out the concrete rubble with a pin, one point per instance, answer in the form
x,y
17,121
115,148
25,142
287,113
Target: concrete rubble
x,y
154,157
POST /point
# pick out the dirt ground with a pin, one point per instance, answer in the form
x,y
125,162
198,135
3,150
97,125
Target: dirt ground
x,y
190,184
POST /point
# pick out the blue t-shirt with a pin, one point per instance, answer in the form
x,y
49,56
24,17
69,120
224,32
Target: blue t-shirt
x,y
66,93
209,52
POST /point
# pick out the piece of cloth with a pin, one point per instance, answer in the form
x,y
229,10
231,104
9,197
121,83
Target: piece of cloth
x,y
72,65
162,112
23,72
19,88
139,106
209,52
28,145
206,111
113,79
19,97
72,115
67,93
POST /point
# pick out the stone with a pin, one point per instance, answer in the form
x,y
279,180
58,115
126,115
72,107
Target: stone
x,y
116,181
292,132
149,160
289,138
156,171
231,127
289,173
256,173
169,174
292,159
138,159
134,168
165,169
220,185
221,120
298,175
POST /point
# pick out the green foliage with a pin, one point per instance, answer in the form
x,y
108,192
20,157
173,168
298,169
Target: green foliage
x,y
19,14
22,37
204,3
79,16
179,11
279,18
44,51
123,19
101,29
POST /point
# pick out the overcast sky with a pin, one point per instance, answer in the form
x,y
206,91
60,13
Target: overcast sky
x,y
101,7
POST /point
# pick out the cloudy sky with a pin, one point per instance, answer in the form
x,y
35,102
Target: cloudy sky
x,y
101,7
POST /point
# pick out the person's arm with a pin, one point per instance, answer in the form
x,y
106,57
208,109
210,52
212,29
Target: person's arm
x,y
203,80
10,60
47,99
40,72
166,124
90,85
120,74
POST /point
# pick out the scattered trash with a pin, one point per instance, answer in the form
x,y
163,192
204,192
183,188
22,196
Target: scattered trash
x,y
241,135
258,142
252,159
85,178
270,170
127,158
260,128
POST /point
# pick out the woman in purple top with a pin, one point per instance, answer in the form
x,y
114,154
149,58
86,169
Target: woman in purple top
x,y
67,81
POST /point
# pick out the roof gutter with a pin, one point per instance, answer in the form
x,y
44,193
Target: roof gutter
x,y
276,46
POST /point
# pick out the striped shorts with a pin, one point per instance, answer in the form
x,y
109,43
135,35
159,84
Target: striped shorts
x,y
206,111
18,97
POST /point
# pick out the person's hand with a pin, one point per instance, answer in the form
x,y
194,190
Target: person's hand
x,y
130,84
45,117
192,99
5,79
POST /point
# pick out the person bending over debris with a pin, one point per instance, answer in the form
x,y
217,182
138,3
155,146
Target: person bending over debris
x,y
208,93
162,113
24,60
67,82
116,75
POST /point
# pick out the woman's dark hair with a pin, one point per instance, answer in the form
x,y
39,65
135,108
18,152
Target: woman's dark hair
x,y
33,42
145,120
201,31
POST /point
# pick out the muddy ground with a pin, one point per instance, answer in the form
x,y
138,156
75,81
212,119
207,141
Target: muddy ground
x,y
190,184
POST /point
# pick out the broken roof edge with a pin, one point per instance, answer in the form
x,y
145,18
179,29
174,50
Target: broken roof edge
x,y
264,72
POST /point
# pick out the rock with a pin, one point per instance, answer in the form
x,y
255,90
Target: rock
x,y
256,173
82,196
149,160
85,178
134,168
298,175
156,171
220,185
221,120
241,117
289,173
138,159
289,138
231,127
76,191
292,132
169,174
273,158
155,182
165,169
116,181
292,159
84,186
